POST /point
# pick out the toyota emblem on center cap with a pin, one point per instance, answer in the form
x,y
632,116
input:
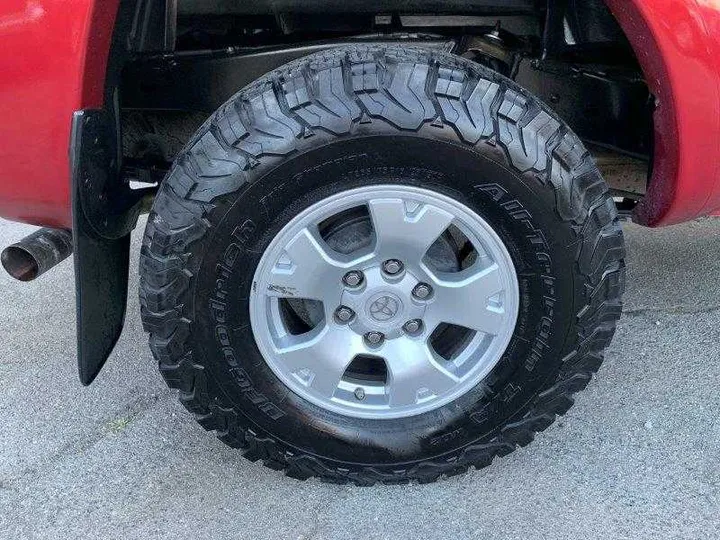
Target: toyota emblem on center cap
x,y
384,308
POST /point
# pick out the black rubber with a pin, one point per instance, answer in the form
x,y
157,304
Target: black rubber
x,y
357,116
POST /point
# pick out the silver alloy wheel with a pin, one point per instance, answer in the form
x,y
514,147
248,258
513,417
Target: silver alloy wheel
x,y
481,298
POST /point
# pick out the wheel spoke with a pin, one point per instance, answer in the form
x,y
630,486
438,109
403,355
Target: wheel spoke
x,y
465,302
413,373
309,270
320,359
403,234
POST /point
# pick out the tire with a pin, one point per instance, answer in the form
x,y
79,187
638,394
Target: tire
x,y
365,116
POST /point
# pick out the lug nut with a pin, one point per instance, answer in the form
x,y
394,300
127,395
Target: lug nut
x,y
344,314
353,279
374,338
413,327
422,291
392,266
359,393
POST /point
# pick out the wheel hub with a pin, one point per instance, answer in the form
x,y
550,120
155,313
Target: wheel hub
x,y
383,304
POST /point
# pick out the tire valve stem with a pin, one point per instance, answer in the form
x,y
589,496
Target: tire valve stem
x,y
359,393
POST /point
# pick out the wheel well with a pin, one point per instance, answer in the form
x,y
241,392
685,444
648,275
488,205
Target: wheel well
x,y
190,56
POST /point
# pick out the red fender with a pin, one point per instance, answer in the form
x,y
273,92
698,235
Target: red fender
x,y
678,45
52,63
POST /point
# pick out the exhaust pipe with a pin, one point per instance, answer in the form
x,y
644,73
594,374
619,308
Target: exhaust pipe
x,y
36,254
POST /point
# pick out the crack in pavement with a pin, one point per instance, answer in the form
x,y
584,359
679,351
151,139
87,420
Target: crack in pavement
x,y
134,408
674,310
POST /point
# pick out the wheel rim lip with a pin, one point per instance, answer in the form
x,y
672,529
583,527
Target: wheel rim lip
x,y
334,204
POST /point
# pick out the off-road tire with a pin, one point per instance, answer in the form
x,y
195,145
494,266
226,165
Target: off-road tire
x,y
545,197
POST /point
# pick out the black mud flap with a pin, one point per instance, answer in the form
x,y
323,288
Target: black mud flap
x,y
104,213
101,284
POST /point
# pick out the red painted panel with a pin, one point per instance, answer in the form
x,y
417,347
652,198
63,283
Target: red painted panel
x,y
52,62
678,45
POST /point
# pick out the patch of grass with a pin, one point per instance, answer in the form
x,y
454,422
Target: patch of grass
x,y
119,424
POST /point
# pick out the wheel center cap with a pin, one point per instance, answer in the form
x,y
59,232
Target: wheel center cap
x,y
384,307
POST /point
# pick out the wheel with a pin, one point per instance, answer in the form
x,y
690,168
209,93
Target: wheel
x,y
381,265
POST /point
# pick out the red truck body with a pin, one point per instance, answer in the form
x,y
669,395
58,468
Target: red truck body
x,y
55,53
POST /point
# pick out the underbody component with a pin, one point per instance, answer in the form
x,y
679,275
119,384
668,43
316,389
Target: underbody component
x,y
626,176
607,106
204,80
225,7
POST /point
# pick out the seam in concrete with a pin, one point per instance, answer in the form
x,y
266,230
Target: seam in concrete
x,y
675,310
